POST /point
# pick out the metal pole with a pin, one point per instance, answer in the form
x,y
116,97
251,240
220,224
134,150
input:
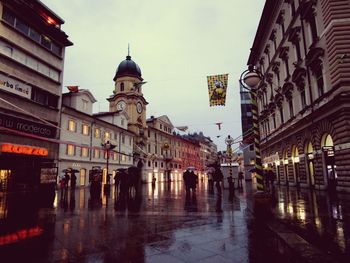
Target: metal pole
x,y
258,164
107,165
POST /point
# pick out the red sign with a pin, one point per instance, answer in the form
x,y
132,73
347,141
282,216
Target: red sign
x,y
20,235
24,149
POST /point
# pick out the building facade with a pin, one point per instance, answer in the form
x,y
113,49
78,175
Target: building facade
x,y
84,134
32,50
303,49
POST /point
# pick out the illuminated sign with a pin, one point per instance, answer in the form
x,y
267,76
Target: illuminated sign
x,y
48,175
22,234
15,86
329,150
24,149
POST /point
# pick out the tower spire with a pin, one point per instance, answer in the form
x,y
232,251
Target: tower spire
x,y
128,56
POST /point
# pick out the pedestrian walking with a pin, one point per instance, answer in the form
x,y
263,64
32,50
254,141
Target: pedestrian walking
x,y
193,180
231,184
73,181
240,179
218,176
186,179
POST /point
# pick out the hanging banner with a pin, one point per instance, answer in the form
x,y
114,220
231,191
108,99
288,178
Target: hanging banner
x,y
217,86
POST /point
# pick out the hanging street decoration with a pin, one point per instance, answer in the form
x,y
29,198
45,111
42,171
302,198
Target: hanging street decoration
x,y
219,125
217,85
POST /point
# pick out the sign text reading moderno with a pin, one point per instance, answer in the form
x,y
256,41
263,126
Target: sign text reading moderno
x,y
26,126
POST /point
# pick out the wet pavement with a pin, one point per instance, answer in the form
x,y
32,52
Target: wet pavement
x,y
163,225
321,218
160,226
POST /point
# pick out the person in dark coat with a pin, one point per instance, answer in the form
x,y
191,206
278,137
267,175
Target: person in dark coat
x,y
193,179
186,178
218,176
240,179
73,181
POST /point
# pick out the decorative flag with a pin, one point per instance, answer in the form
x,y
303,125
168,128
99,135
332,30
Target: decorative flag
x,y
217,86
73,88
182,128
219,125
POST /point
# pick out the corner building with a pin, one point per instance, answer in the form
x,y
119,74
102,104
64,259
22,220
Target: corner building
x,y
303,50
32,49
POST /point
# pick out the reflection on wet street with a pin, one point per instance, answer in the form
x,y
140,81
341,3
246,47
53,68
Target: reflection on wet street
x,y
163,224
320,217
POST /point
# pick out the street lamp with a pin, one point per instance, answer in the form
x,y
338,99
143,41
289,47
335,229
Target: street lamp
x,y
108,146
229,141
250,80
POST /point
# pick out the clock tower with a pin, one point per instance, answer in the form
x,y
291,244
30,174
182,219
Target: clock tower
x,y
127,96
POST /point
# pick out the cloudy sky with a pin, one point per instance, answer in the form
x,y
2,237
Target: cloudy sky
x,y
176,43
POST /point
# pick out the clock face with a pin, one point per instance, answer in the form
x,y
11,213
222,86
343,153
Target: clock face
x,y
139,107
121,105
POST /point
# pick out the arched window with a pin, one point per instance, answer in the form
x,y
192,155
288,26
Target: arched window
x,y
122,86
327,140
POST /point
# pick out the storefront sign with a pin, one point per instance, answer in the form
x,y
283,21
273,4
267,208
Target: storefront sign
x,y
23,149
26,126
329,150
48,175
15,86
272,158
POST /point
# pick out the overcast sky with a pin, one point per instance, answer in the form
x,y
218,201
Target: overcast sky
x,y
176,43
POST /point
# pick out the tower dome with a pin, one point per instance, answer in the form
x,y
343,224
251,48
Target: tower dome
x,y
128,68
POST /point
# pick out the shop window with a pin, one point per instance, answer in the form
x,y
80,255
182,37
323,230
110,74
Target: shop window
x,y
82,177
